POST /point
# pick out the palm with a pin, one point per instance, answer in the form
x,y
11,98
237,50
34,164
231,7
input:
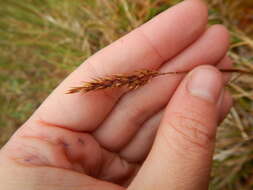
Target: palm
x,y
108,134
83,153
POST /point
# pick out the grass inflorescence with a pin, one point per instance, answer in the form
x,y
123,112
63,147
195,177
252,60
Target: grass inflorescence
x,y
131,80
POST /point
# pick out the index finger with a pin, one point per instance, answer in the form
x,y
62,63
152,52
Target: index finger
x,y
148,46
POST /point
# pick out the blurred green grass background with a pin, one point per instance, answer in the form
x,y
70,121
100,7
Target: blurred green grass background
x,y
42,41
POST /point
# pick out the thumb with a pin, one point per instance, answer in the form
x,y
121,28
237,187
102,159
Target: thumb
x,y
181,156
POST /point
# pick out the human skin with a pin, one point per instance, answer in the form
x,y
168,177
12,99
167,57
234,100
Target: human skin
x,y
160,136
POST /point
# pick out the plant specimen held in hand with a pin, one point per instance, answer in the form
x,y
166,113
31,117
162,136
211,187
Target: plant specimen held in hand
x,y
131,80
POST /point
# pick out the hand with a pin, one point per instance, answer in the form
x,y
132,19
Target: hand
x,y
104,140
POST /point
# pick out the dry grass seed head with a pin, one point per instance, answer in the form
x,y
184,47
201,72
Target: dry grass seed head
x,y
132,80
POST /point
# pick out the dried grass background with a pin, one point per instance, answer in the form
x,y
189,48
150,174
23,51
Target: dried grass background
x,y
41,41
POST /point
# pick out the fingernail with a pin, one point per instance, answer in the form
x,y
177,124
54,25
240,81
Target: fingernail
x,y
205,83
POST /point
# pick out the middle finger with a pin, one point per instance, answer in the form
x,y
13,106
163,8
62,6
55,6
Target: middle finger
x,y
138,106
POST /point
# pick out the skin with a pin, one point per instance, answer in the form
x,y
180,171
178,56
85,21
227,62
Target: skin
x,y
160,136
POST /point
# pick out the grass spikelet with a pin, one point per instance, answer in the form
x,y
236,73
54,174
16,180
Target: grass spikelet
x,y
132,81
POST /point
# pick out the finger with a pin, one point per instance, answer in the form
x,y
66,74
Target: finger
x,y
226,63
182,153
137,106
227,101
146,47
141,143
139,147
225,105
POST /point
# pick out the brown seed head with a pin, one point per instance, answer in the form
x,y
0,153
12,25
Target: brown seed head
x,y
132,81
